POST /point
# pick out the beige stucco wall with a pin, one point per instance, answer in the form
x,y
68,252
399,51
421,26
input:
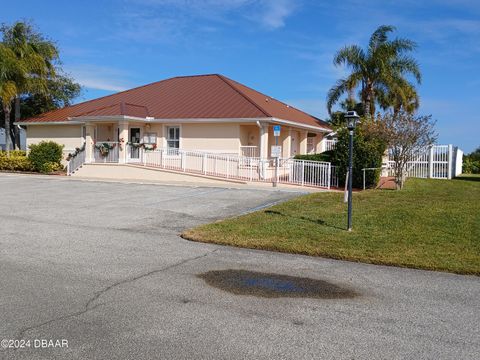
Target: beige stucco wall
x,y
67,135
249,135
211,137
106,132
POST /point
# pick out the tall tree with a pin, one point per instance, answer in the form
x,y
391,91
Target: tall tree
x,y
380,71
46,86
12,73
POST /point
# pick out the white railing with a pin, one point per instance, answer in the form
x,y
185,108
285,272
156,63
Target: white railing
x,y
110,156
329,144
290,171
434,162
249,151
76,162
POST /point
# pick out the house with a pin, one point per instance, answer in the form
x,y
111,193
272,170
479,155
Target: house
x,y
209,113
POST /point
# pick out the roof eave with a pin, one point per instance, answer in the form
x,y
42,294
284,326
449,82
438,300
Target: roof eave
x,y
302,126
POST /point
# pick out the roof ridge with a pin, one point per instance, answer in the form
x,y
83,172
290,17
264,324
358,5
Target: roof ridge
x,y
259,107
101,97
287,105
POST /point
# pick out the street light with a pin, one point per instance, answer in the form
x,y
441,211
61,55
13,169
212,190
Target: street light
x,y
352,118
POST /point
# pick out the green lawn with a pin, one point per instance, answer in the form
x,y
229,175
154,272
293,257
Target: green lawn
x,y
430,224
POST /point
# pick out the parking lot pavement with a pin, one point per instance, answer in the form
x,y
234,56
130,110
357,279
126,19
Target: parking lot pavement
x,y
101,266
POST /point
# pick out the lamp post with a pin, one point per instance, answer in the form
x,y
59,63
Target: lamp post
x,y
351,117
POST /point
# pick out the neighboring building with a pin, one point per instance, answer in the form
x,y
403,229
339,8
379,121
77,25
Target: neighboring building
x,y
209,113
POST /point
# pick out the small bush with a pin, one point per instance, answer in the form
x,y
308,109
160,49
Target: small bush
x,y
46,156
15,163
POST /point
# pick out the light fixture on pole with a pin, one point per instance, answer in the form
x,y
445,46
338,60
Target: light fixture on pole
x,y
351,117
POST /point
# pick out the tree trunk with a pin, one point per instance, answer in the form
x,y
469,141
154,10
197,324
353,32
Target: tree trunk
x,y
369,100
8,139
16,131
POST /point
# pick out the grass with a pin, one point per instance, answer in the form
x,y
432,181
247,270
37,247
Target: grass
x,y
430,224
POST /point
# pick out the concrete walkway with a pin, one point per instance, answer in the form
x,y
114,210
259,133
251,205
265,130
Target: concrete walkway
x,y
146,175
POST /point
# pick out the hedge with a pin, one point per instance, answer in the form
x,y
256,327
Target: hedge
x,y
325,156
15,162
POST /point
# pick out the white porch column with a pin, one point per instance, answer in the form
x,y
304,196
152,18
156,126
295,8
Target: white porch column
x,y
89,134
122,151
303,142
320,146
264,141
287,143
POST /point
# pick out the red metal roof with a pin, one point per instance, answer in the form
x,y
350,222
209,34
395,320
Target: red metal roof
x,y
186,97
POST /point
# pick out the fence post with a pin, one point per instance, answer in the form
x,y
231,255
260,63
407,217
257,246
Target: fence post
x,y
303,172
228,166
183,160
363,179
450,153
430,163
329,175
204,165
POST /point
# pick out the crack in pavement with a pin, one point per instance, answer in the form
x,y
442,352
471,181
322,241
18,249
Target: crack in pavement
x,y
88,306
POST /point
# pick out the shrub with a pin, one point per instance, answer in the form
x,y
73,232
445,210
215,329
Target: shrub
x,y
471,162
15,163
325,156
470,166
46,156
368,150
13,153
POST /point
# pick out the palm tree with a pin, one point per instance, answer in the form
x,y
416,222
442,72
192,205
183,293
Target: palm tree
x,y
380,71
31,48
12,73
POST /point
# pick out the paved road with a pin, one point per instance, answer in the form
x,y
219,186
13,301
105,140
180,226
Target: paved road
x,y
101,265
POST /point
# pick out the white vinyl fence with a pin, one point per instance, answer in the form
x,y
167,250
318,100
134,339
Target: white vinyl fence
x,y
436,162
290,171
234,167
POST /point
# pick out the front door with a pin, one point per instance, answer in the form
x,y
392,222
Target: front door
x,y
134,140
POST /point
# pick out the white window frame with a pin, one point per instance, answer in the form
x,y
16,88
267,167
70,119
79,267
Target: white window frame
x,y
167,136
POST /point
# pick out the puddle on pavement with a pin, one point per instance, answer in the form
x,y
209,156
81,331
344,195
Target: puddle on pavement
x,y
243,282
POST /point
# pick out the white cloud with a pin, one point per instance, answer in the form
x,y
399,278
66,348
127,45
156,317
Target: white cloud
x,y
163,19
275,13
99,77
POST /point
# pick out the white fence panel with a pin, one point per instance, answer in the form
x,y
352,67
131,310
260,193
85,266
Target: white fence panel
x,y
290,171
436,162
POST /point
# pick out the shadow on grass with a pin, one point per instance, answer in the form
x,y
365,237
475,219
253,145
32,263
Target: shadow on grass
x,y
315,221
473,177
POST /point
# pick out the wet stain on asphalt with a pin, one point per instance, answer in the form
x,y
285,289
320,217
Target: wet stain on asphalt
x,y
243,282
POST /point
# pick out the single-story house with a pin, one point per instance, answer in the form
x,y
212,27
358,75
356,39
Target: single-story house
x,y
210,113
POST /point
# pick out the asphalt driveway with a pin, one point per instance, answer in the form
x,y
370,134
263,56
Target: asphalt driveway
x,y
101,266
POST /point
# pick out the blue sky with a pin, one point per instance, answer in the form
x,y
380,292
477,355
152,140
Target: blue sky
x,y
281,47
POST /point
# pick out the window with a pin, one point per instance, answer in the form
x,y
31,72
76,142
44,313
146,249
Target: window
x,y
173,137
150,138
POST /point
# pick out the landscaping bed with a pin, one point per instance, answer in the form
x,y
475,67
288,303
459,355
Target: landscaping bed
x,y
431,224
